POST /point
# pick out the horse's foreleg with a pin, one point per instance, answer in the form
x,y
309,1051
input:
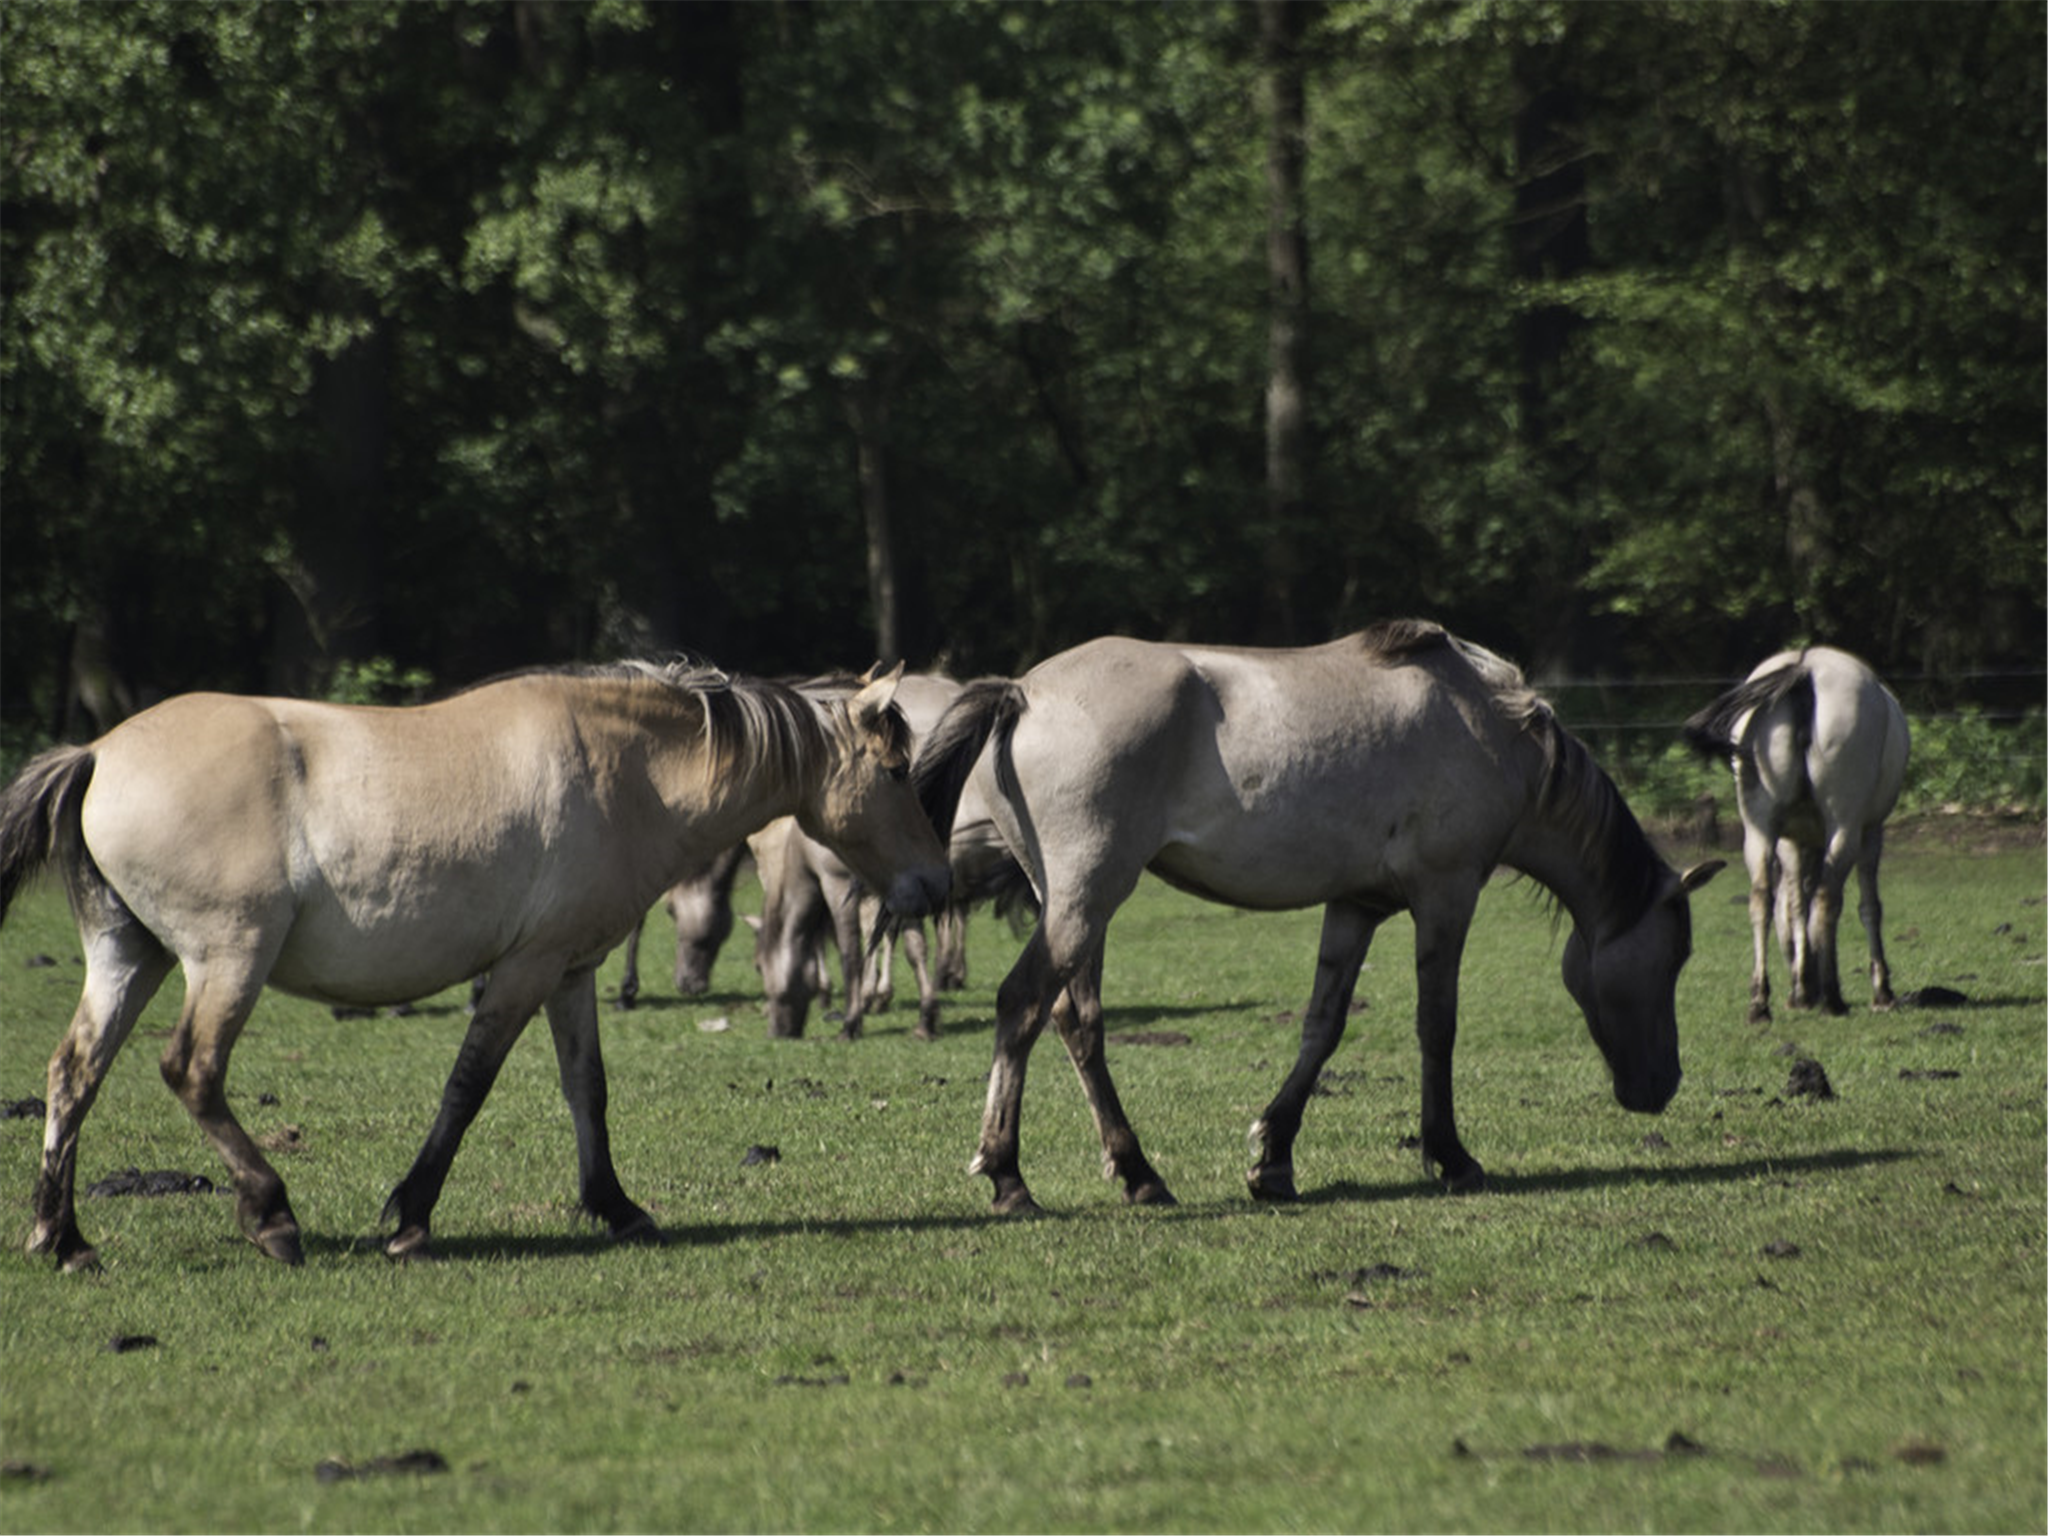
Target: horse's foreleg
x,y
124,967
949,937
1078,1016
1347,935
498,1021
629,984
1439,950
918,952
1796,887
853,965
1831,885
1871,911
1023,1003
572,1019
219,998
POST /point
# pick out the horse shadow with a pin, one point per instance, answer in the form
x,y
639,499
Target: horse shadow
x,y
1572,1180
588,1241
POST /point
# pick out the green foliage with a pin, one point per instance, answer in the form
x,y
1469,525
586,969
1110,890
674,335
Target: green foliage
x,y
844,1339
380,680
480,335
1969,761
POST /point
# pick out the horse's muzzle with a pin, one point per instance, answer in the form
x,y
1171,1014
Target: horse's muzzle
x,y
920,892
1648,1092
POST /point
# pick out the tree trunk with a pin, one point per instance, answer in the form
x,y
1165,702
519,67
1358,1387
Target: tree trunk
x,y
1281,25
867,411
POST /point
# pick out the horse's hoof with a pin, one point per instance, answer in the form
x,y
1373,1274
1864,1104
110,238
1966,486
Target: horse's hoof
x,y
1017,1202
1759,1013
1470,1181
1271,1183
407,1245
80,1261
641,1230
281,1244
1151,1192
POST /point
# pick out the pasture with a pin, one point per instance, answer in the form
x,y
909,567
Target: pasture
x,y
1759,1311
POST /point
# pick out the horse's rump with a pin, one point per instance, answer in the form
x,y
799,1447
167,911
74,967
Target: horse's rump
x,y
1713,731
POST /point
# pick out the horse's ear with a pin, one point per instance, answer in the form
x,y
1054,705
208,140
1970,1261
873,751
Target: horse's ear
x,y
1700,874
868,705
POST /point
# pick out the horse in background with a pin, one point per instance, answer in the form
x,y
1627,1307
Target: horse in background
x,y
810,897
1387,772
1819,748
700,905
368,856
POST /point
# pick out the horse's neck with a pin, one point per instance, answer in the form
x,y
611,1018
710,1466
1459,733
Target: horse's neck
x,y
1580,842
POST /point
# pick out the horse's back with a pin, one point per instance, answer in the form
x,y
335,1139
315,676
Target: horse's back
x,y
1268,778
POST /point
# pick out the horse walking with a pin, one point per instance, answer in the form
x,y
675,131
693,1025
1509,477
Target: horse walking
x,y
370,856
1389,771
1819,748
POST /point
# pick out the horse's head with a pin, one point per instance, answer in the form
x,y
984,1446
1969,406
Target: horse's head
x,y
1627,985
865,810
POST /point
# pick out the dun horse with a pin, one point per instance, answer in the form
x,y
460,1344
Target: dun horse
x,y
1386,772
809,895
1819,749
369,856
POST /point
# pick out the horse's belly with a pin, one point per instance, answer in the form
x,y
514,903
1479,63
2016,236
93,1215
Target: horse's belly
x,y
366,966
1277,874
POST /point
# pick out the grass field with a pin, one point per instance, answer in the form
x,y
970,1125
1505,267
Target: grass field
x,y
1756,1312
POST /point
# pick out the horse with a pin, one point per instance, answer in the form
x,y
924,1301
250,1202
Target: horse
x,y
700,905
810,895
1388,771
367,856
1819,748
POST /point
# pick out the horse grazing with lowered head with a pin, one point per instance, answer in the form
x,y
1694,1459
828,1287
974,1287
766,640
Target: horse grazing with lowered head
x,y
700,905
809,896
1819,748
1387,772
369,856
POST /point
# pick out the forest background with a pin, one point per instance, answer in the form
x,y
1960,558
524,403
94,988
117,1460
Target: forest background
x,y
369,349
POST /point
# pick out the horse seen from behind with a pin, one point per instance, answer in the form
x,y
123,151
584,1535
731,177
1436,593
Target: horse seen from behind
x,y
1819,747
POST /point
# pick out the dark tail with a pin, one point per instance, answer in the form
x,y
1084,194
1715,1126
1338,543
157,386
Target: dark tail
x,y
1711,732
39,816
986,707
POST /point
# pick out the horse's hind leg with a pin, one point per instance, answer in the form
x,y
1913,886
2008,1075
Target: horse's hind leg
x,y
502,1014
1760,858
1347,935
1078,1016
124,966
1871,910
572,1019
220,993
1023,1003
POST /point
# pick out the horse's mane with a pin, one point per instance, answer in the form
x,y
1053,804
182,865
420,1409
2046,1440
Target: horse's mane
x,y
1575,795
749,722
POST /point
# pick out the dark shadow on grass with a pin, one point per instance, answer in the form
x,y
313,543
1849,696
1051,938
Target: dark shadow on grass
x,y
1564,1180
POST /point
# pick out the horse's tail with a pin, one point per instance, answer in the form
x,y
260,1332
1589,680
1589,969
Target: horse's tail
x,y
39,818
1713,731
988,707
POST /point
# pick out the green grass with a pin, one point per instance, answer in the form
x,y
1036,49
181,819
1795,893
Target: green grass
x,y
844,1339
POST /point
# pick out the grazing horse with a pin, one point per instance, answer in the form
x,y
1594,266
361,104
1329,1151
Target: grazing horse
x,y
810,895
1819,749
1389,771
368,856
700,905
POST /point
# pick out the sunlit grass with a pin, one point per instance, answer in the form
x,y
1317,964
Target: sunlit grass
x,y
843,1338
